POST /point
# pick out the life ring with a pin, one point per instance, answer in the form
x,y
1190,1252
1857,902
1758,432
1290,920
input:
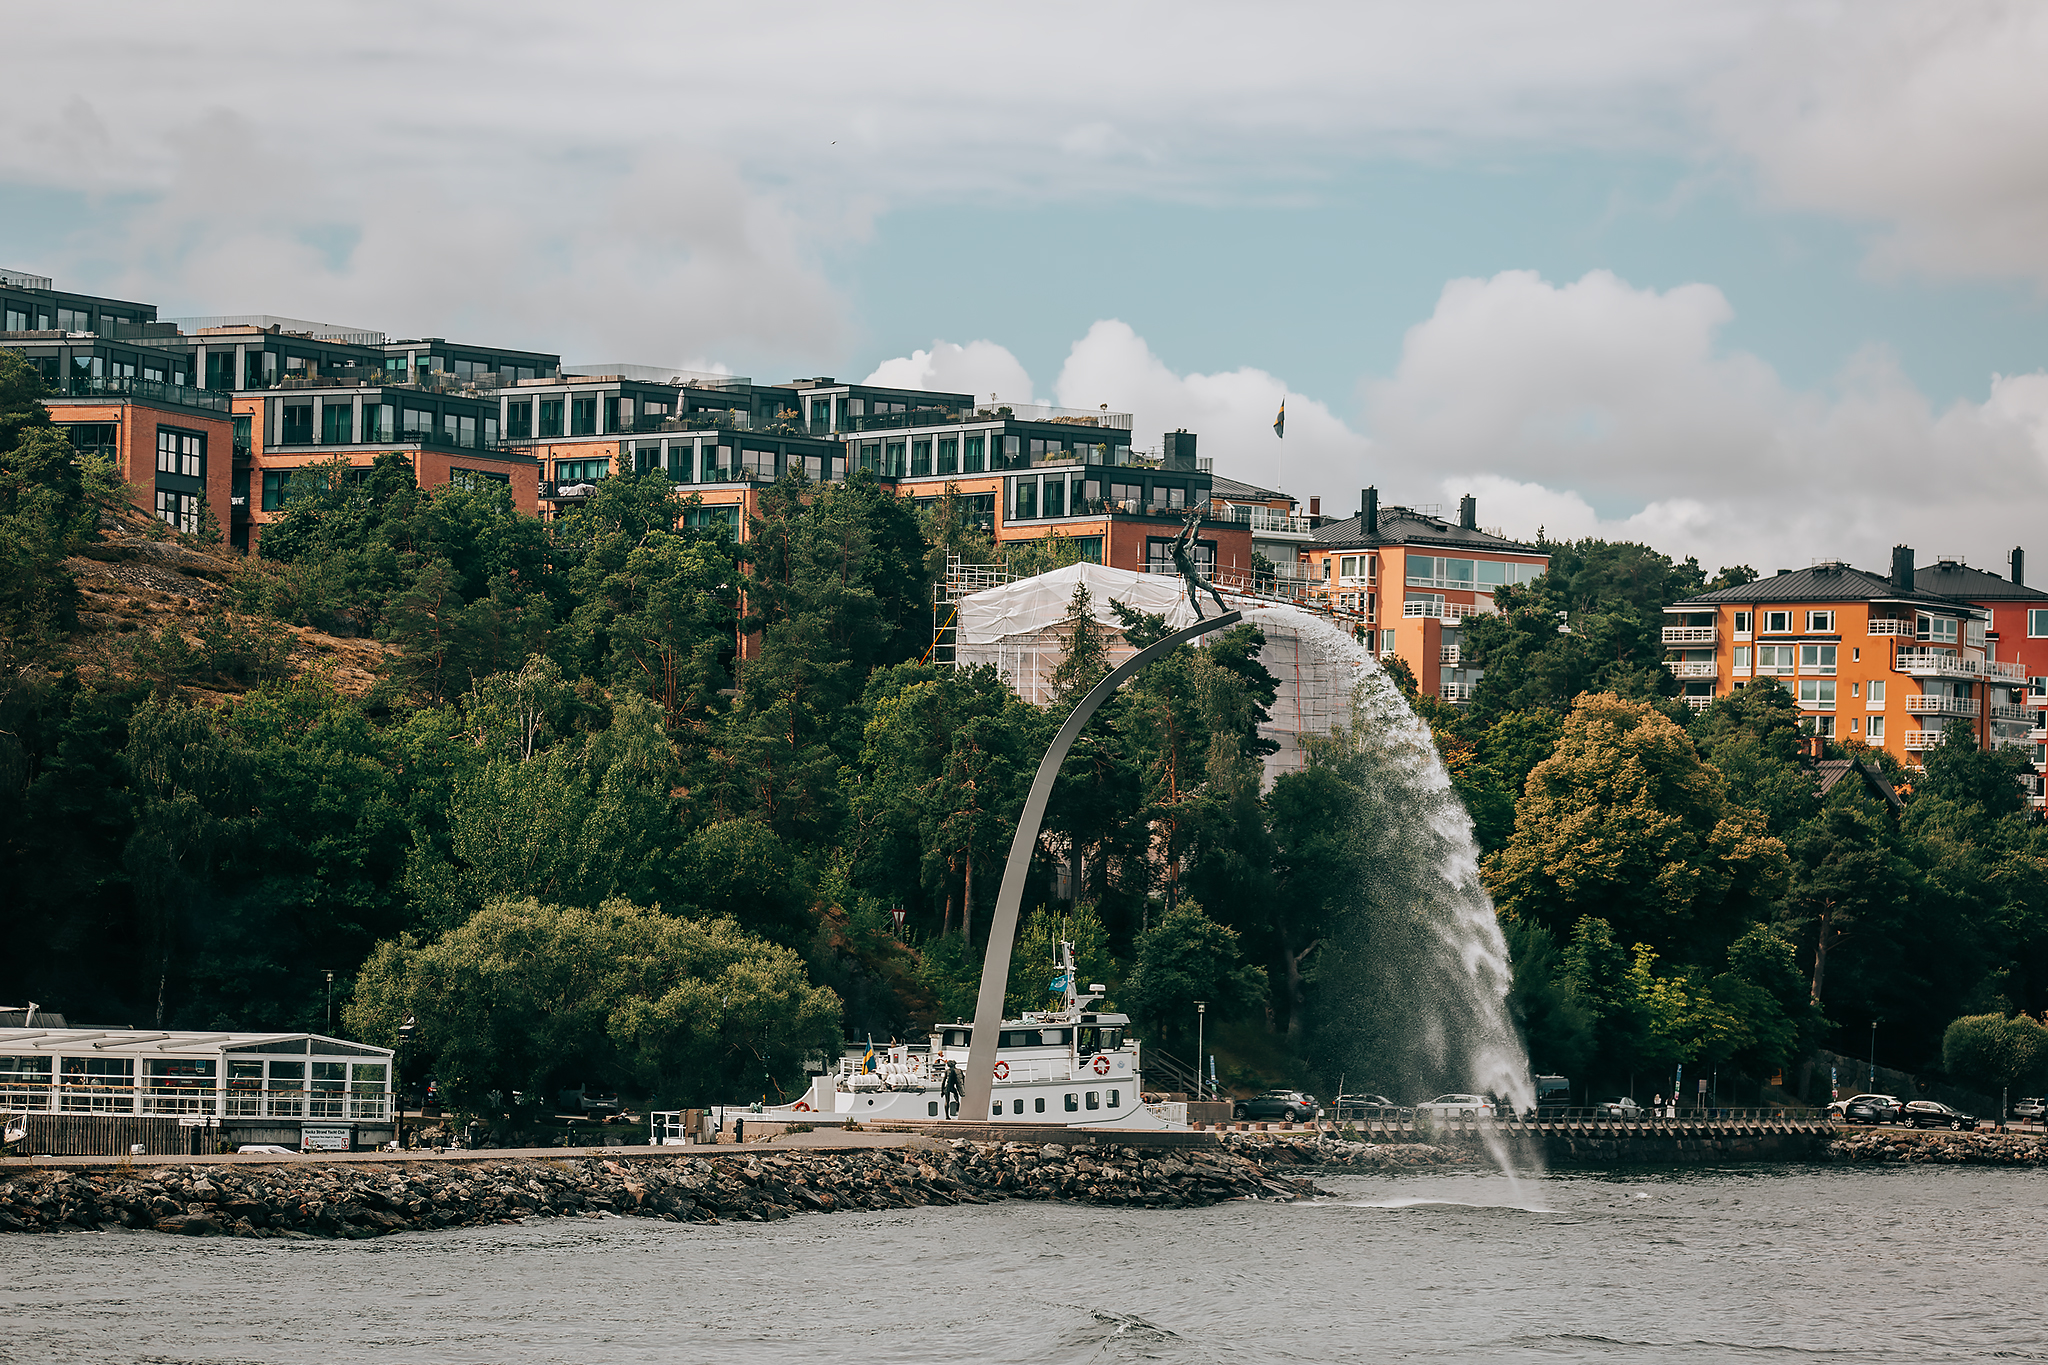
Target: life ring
x,y
802,1106
1101,1065
1002,1071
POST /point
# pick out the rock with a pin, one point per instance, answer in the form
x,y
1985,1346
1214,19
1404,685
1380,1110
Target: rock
x,y
190,1224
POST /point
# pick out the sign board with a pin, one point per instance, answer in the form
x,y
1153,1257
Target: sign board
x,y
192,1120
326,1139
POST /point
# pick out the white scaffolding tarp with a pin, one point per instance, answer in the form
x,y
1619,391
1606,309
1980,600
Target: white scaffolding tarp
x,y
1019,629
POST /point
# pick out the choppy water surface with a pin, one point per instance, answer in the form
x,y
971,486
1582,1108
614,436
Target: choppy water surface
x,y
1764,1263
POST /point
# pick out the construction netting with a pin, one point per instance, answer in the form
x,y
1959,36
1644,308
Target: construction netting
x,y
1019,629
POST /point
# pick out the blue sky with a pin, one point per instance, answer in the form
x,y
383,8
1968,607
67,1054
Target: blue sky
x,y
1756,282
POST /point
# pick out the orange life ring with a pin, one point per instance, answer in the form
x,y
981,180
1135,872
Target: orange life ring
x,y
1101,1065
1002,1071
802,1106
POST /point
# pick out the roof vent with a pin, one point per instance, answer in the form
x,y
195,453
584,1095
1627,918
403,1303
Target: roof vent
x,y
1368,510
1468,513
1783,572
1902,568
2019,567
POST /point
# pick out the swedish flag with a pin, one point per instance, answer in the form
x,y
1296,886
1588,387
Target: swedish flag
x,y
867,1063
1280,422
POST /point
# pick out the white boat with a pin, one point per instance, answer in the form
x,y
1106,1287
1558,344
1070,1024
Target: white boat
x,y
1072,1067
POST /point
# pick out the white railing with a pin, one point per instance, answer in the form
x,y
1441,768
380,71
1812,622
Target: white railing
x,y
1447,611
1882,626
1941,706
1448,654
1694,668
1265,519
1923,739
2000,711
1691,635
1457,691
1698,702
1927,663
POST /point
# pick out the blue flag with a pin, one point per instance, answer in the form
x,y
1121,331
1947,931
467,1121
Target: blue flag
x,y
1280,422
1059,983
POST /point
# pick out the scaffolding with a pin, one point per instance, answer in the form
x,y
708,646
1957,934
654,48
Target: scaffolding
x,y
961,578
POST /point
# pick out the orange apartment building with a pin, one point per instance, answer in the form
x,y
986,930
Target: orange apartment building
x,y
1869,659
1444,573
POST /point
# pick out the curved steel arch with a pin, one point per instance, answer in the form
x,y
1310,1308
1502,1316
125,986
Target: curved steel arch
x,y
1002,929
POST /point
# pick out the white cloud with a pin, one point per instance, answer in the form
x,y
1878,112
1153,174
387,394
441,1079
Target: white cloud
x,y
981,368
1929,121
1597,408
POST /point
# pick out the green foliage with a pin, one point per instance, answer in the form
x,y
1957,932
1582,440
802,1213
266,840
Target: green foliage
x,y
46,513
1993,1051
1184,958
529,996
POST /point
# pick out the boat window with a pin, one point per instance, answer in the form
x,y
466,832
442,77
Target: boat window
x,y
1018,1038
1094,1100
1039,1103
1114,1099
1090,1042
1073,1102
1114,1039
956,1037
1054,1037
994,1113
932,1107
1016,1106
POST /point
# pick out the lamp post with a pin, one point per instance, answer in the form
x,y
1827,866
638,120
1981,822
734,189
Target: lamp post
x,y
398,1085
330,1004
1201,1025
1873,1056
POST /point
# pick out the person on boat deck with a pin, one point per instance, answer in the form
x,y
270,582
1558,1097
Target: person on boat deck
x,y
1087,1042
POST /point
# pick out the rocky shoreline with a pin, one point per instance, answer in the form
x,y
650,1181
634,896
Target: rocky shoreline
x,y
1959,1149
301,1200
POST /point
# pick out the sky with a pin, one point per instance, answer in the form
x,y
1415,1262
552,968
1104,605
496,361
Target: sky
x,y
1758,284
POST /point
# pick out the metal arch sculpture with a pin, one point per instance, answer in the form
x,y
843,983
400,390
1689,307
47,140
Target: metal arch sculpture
x,y
1002,929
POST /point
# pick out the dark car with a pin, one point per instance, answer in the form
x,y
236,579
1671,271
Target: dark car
x,y
1932,1114
1352,1107
1292,1106
1872,1109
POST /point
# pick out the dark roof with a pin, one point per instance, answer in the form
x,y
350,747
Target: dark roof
x,y
17,1017
1400,526
1829,771
1973,585
1820,583
1230,488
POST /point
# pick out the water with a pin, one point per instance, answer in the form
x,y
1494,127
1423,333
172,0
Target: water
x,y
1411,978
1766,1263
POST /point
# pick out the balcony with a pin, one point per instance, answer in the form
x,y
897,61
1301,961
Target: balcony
x,y
1449,655
1927,663
1694,668
2022,714
1265,521
1942,706
147,390
1692,635
1882,626
1923,739
1698,701
1444,611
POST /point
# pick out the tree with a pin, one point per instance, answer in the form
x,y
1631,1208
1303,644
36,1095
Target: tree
x,y
1184,958
1994,1051
528,996
1626,820
46,513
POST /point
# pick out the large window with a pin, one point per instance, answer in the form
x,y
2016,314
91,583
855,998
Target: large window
x,y
581,471
95,438
583,417
2037,624
1938,629
1777,622
1357,568
518,420
1743,658
297,428
949,455
1873,729
971,456
180,452
179,509
1817,658
1816,695
476,480
550,417
1480,575
1774,660
337,421
920,459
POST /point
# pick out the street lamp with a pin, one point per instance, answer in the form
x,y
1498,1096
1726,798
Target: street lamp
x,y
1201,1023
398,1084
1873,1055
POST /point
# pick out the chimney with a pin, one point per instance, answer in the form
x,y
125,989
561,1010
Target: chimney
x,y
1369,511
2019,567
1902,568
1468,512
1315,506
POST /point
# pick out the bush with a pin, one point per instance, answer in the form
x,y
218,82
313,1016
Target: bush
x,y
1991,1050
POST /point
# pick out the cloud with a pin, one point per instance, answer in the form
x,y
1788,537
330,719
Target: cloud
x,y
981,368
1929,122
1598,408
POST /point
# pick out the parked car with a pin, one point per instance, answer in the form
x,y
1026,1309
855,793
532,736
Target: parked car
x,y
2029,1109
1933,1114
584,1100
1872,1109
1290,1106
263,1149
1620,1107
1839,1109
1350,1107
1456,1107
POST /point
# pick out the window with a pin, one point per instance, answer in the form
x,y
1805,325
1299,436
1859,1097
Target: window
x,y
1824,726
581,471
1038,1105
1115,1098
1777,622
1875,701
336,420
583,417
1055,498
179,509
893,459
1853,720
180,452
949,455
550,417
1094,1099
416,422
298,425
1016,1106
476,480
971,457
996,1110
1816,695
1940,629
1821,622
920,459
1356,568
1742,658
17,321
1774,660
97,438
1386,642
1025,503
1874,730
518,421
1073,1102
458,429
1013,451
931,1108
2037,624
1817,658
276,489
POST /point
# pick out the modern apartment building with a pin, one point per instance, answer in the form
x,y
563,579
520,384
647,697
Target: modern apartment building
x,y
1444,572
2017,633
1870,659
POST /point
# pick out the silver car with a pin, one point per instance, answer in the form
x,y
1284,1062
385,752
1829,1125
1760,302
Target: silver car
x,y
1456,1107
